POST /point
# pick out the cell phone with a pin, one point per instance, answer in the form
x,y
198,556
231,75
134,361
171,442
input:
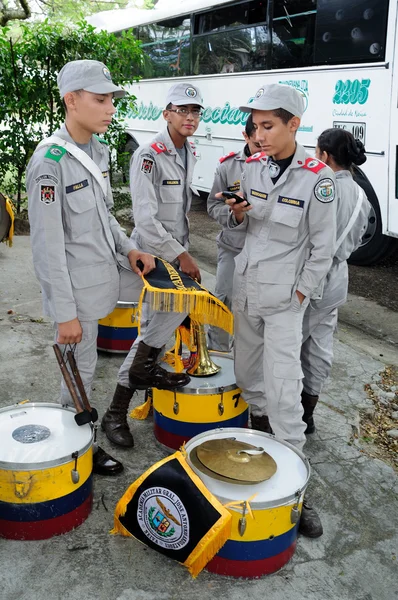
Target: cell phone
x,y
231,195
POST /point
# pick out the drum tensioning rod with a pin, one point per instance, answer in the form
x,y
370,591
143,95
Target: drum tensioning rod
x,y
82,415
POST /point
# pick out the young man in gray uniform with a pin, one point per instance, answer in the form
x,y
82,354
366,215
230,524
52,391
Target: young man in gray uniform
x,y
160,182
229,241
80,254
290,236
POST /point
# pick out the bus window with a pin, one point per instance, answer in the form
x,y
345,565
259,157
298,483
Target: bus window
x,y
348,31
232,51
237,15
293,33
166,48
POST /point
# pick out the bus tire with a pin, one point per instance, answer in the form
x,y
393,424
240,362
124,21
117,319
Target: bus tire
x,y
5,219
374,246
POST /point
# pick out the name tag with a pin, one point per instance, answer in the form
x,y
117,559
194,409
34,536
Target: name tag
x,y
291,201
171,182
104,173
234,188
257,194
76,186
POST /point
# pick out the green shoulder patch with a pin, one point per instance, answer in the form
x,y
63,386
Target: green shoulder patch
x,y
97,137
55,153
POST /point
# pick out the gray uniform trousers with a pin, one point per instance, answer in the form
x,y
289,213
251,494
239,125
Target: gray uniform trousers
x,y
319,326
267,367
218,339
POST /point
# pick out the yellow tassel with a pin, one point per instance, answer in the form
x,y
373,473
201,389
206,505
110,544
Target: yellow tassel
x,y
10,209
141,412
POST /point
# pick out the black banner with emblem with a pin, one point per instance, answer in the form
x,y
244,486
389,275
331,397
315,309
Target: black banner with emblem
x,y
171,511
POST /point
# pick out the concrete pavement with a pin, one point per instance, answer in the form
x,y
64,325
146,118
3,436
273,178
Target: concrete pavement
x,y
355,559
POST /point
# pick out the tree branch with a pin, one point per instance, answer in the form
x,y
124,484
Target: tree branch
x,y
11,14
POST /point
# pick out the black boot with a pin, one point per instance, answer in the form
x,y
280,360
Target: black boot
x,y
114,421
310,523
145,371
105,464
261,423
309,403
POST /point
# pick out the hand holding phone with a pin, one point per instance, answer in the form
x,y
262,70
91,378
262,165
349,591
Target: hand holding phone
x,y
232,196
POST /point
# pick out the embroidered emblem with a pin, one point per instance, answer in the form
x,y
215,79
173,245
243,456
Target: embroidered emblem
x,y
47,178
257,194
314,165
55,153
171,182
75,187
259,93
107,74
47,194
147,166
273,168
191,92
159,147
324,190
255,157
230,155
291,201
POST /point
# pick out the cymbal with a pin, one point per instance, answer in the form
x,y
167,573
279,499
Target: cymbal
x,y
236,460
193,457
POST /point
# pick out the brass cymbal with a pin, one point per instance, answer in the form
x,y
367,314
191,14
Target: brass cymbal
x,y
196,462
236,460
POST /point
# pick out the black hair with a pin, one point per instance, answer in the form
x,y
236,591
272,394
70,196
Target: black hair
x,y
168,107
283,115
343,147
249,127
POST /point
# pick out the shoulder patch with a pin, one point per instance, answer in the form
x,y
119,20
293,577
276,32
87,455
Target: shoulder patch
x,y
230,155
193,148
55,153
147,165
314,165
256,157
159,147
324,190
97,137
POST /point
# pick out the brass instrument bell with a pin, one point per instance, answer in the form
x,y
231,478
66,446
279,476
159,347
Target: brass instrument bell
x,y
203,366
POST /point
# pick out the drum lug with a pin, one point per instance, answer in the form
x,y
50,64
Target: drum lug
x,y
176,406
295,513
242,521
221,404
22,488
75,473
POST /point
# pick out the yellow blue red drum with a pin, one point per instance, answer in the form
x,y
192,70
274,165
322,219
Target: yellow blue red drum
x,y
46,464
265,542
204,404
117,331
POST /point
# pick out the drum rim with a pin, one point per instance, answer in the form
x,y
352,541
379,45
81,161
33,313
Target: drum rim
x,y
211,390
125,305
42,466
283,501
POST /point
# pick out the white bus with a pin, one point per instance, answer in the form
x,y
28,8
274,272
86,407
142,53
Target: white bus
x,y
342,55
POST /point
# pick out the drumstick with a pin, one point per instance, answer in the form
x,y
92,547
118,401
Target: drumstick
x,y
80,386
82,416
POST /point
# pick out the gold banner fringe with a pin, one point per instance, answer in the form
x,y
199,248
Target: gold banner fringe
x,y
10,209
142,411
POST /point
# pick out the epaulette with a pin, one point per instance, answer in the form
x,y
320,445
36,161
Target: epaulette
x,y
314,165
193,148
55,153
97,137
230,155
256,156
159,147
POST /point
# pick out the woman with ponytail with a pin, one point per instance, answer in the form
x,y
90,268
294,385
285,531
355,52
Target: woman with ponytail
x,y
340,151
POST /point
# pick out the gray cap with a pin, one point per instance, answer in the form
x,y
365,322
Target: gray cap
x,y
274,96
89,75
184,93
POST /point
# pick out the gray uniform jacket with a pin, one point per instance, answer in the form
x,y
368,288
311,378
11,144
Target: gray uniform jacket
x,y
161,193
290,233
77,244
336,283
227,177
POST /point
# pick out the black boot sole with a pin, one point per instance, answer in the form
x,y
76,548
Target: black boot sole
x,y
146,386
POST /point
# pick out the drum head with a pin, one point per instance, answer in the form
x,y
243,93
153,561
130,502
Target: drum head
x,y
224,380
292,472
40,435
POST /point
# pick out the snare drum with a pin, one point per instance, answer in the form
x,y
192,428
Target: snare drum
x,y
117,332
205,403
261,544
46,464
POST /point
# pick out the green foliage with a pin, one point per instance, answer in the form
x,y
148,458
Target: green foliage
x,y
30,106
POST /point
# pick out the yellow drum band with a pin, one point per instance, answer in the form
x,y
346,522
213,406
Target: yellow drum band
x,y
41,485
199,408
121,317
264,524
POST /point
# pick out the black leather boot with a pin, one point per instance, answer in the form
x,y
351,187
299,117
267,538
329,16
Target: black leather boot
x,y
145,371
114,421
309,403
310,523
261,423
